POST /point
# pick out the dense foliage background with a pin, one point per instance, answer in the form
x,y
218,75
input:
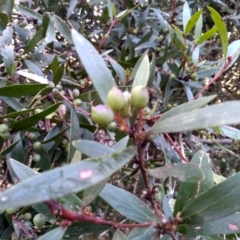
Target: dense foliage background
x,y
165,170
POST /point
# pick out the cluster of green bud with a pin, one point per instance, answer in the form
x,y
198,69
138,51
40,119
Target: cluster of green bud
x,y
120,102
4,131
192,74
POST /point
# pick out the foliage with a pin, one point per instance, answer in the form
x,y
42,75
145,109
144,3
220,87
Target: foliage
x,y
100,101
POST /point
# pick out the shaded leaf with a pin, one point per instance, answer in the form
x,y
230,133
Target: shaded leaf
x,y
21,90
184,172
121,144
126,203
55,234
148,233
91,193
189,191
230,132
95,66
28,12
219,201
226,225
210,116
31,121
34,41
119,235
74,133
92,148
62,27
64,180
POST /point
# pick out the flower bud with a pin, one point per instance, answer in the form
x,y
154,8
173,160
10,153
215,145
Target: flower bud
x,y
125,111
115,99
140,97
102,114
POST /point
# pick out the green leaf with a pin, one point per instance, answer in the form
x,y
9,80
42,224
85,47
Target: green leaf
x,y
226,225
45,162
210,116
74,133
152,71
127,204
189,191
13,103
119,235
21,90
54,133
64,180
92,148
204,37
110,9
184,172
222,30
34,68
219,201
121,144
15,114
28,12
34,41
230,132
147,233
8,58
59,74
62,27
95,66
72,5
118,69
141,71
26,123
186,15
55,234
32,76
198,28
91,193
192,21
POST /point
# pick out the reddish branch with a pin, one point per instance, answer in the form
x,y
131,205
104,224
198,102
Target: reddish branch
x,y
58,210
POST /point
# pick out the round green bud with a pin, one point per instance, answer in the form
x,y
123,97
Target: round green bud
x,y
112,126
115,99
3,128
77,102
51,84
161,37
59,87
166,30
11,210
36,157
173,76
140,97
124,112
75,93
5,135
39,220
187,70
32,135
194,76
37,145
102,114
27,216
55,92
65,142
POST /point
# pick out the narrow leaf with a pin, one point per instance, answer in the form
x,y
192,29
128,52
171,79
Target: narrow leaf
x,y
119,235
95,66
226,225
26,123
189,191
64,180
186,15
21,90
34,41
86,147
142,72
219,201
222,30
210,116
192,21
184,172
204,37
55,234
126,203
